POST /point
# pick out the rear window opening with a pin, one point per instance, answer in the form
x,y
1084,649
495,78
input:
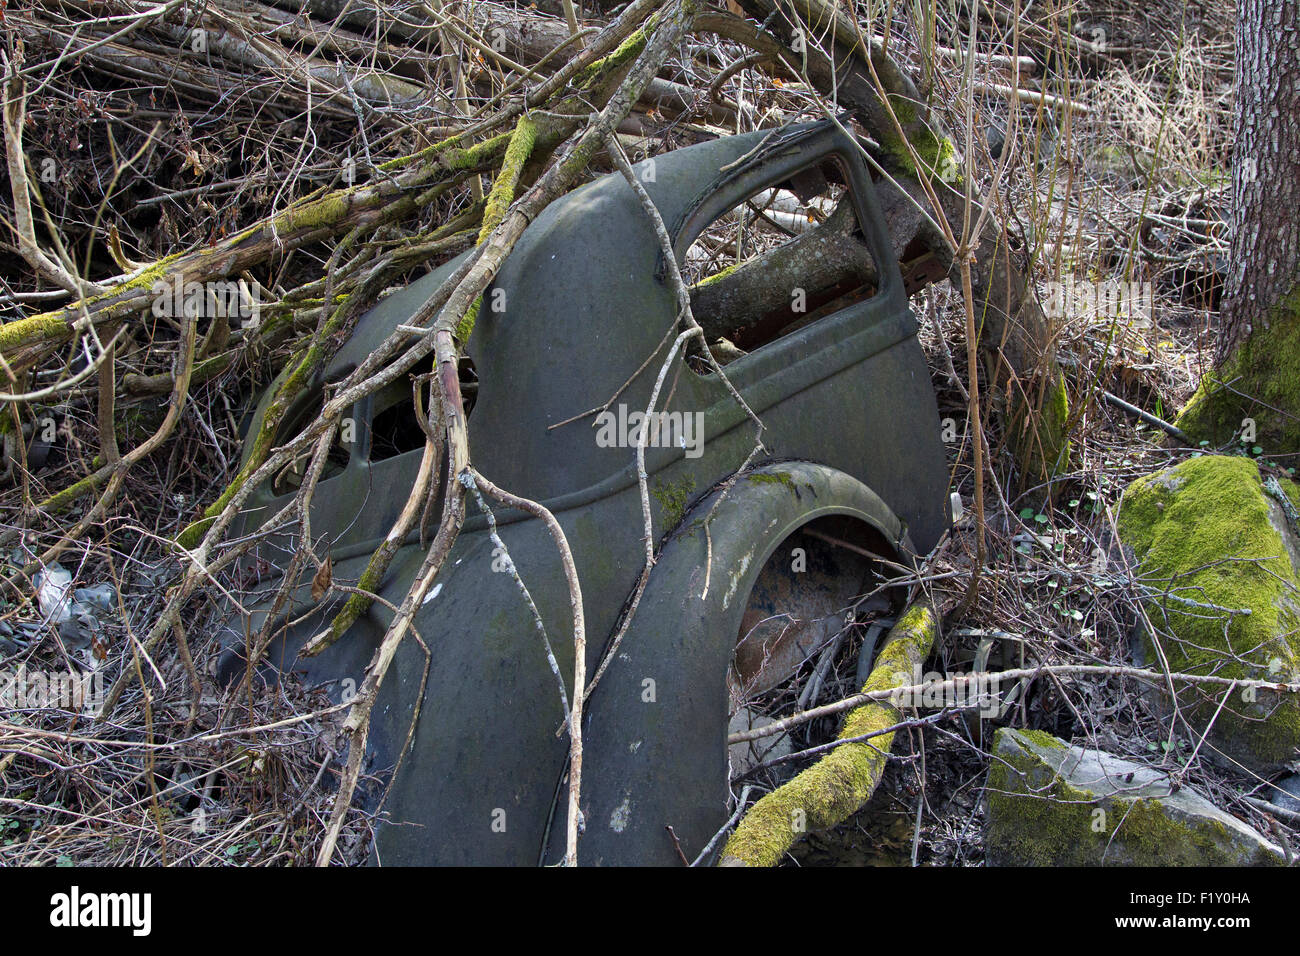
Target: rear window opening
x,y
394,428
781,260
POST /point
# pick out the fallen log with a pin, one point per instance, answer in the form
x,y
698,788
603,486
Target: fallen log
x,y
755,295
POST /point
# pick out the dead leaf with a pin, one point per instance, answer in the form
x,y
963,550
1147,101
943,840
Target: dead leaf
x,y
321,582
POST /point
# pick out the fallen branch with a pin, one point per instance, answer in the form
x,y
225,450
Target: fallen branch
x,y
839,784
967,684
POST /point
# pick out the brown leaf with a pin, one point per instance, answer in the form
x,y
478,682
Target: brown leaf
x,y
321,582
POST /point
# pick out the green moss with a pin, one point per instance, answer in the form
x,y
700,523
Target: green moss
x,y
1053,426
478,156
1201,531
716,277
1158,837
357,604
1047,453
1292,491
498,203
145,280
1044,739
1036,825
303,364
465,327
503,187
840,783
672,497
624,54
941,156
771,478
1037,818
938,155
193,533
325,211
65,497
1267,367
36,328
331,207
50,326
442,146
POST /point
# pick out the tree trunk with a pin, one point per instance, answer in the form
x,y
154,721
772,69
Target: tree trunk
x,y
1257,370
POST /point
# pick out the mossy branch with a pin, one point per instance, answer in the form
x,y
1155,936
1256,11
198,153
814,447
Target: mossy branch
x,y
502,195
309,220
839,784
499,199
623,55
372,578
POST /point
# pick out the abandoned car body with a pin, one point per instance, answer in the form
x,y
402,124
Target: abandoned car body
x,y
852,447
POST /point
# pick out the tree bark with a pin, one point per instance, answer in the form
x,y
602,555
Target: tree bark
x,y
1255,384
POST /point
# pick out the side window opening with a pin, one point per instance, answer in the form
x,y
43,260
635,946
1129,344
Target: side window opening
x,y
395,429
289,478
781,260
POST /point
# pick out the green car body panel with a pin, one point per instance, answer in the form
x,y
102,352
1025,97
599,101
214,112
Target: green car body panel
x,y
851,428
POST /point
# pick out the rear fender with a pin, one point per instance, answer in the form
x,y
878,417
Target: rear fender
x,y
655,751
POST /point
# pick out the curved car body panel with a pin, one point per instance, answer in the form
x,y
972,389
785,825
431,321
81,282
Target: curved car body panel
x,y
584,304
657,728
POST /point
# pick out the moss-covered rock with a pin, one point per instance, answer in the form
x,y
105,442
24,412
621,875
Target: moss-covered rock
x,y
1051,804
1222,571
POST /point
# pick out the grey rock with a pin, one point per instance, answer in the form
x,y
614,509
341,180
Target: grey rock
x,y
1287,796
1052,804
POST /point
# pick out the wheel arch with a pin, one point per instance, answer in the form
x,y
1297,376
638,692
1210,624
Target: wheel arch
x,y
655,735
